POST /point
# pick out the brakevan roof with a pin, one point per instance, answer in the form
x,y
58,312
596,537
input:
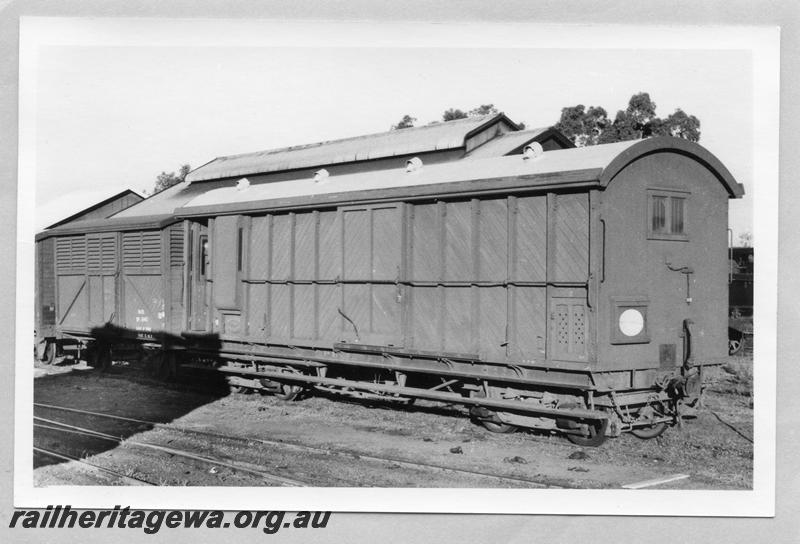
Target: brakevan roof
x,y
593,165
110,224
436,137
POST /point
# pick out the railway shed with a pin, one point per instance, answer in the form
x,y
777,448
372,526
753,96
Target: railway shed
x,y
127,270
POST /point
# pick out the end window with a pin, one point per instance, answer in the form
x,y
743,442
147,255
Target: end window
x,y
666,217
629,320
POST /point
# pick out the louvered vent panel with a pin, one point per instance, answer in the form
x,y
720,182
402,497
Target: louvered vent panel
x,y
93,256
151,249
141,249
63,255
176,245
71,255
108,252
132,249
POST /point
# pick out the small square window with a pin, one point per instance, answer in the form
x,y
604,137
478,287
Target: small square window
x,y
666,215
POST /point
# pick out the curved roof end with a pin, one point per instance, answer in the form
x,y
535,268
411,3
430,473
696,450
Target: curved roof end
x,y
675,145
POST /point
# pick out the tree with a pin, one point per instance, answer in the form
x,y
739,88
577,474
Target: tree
x,y
582,126
639,120
483,109
641,113
746,239
622,129
406,122
165,181
681,125
453,114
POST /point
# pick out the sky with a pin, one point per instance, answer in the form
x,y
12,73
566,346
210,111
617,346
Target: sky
x,y
112,117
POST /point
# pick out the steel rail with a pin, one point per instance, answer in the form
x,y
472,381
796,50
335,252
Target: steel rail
x,y
181,453
313,449
95,468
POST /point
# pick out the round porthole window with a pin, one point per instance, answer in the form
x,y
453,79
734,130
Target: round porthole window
x,y
631,322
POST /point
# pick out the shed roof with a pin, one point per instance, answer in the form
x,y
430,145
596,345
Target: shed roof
x,y
436,137
509,142
78,215
595,165
166,201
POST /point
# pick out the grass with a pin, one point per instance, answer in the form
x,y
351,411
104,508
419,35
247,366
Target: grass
x,y
739,376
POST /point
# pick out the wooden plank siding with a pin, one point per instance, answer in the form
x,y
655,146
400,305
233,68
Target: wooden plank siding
x,y
143,283
72,299
470,276
45,311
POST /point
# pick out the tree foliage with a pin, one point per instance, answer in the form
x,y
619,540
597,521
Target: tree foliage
x,y
483,109
583,126
453,114
406,122
746,239
165,181
591,126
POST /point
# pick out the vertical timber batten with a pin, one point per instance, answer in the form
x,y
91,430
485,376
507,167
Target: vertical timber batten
x,y
512,345
476,266
550,262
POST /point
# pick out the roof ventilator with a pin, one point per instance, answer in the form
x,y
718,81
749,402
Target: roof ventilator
x,y
412,165
532,151
242,184
321,175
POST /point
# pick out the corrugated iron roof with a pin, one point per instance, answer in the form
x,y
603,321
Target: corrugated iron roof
x,y
505,143
436,137
95,206
167,200
593,158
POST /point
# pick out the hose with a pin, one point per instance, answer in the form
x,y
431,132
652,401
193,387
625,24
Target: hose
x,y
730,426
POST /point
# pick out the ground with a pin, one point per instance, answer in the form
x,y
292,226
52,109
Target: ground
x,y
324,440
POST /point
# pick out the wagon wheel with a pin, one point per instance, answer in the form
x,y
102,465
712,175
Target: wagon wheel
x,y
50,351
596,434
100,357
652,431
165,366
288,393
735,345
500,428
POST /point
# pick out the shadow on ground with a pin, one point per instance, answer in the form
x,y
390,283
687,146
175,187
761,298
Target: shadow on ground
x,y
121,390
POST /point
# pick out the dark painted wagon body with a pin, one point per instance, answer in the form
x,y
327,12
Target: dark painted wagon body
x,y
580,290
55,285
740,300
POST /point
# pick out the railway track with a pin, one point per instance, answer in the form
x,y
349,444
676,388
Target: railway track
x,y
92,467
406,463
73,429
199,386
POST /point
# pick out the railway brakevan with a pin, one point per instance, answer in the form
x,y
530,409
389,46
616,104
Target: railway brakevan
x,y
573,290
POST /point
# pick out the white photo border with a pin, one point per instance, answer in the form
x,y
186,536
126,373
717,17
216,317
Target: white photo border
x,y
763,42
